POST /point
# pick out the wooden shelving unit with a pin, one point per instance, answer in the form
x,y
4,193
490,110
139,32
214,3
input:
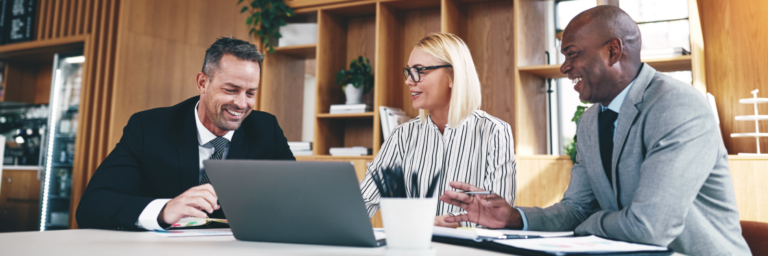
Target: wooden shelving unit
x,y
679,63
360,115
299,51
385,31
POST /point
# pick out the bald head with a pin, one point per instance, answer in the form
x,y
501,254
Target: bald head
x,y
602,53
605,22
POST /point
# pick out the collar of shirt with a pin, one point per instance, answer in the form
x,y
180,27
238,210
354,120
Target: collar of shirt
x,y
618,100
203,134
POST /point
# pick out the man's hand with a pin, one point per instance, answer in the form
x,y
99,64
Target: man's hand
x,y
488,210
190,203
440,222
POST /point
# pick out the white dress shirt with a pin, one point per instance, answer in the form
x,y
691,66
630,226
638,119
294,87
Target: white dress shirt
x,y
148,217
615,106
479,151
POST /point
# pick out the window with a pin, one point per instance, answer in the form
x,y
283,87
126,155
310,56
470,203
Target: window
x,y
665,33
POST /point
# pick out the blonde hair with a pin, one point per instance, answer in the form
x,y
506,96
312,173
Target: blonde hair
x,y
465,93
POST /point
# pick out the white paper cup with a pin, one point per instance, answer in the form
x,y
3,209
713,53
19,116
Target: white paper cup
x,y
408,222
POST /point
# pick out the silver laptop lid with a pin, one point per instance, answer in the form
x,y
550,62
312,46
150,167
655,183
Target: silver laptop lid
x,y
292,202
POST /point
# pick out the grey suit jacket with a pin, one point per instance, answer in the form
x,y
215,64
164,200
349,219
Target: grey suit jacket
x,y
671,181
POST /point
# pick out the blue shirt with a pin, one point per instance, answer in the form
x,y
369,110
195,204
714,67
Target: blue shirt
x,y
615,105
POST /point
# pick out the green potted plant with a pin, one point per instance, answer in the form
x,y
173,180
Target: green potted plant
x,y
570,149
266,19
356,81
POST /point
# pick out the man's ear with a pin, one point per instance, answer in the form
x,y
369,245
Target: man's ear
x,y
201,80
615,50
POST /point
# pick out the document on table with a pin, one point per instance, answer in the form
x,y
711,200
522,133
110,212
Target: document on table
x,y
195,232
478,234
591,244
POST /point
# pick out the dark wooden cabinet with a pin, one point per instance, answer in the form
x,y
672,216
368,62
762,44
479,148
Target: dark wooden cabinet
x,y
19,200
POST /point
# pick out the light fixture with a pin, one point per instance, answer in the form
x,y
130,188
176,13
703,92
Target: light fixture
x,y
78,59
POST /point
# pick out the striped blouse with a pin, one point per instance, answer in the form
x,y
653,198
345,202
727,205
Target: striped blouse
x,y
479,151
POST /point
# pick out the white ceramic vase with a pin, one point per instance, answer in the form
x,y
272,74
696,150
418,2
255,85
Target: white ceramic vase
x,y
353,94
408,222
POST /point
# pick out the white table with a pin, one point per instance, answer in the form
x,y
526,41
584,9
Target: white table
x,y
81,242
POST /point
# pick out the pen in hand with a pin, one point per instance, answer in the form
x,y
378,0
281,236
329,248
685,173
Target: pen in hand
x,y
471,193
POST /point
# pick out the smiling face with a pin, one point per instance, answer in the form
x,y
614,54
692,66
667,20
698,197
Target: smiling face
x,y
229,95
587,62
433,92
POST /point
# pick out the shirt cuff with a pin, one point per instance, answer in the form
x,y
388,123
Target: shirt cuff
x,y
148,217
525,219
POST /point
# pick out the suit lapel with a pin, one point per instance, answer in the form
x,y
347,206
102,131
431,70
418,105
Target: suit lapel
x,y
188,152
629,111
238,148
591,156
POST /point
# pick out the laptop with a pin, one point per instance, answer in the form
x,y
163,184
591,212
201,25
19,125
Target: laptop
x,y
293,202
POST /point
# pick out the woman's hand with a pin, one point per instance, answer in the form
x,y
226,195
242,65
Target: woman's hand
x,y
440,222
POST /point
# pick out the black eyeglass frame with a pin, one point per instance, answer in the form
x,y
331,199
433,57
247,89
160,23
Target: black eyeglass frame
x,y
407,71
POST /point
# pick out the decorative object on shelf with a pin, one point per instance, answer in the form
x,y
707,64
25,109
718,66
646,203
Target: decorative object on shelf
x,y
266,19
352,151
359,77
350,108
390,119
754,101
298,34
570,149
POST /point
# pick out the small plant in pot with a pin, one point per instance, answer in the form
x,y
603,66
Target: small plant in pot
x,y
356,81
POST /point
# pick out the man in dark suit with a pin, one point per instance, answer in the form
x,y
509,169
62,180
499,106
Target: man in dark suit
x,y
155,176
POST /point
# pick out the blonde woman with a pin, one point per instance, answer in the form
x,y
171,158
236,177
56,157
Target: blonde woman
x,y
451,134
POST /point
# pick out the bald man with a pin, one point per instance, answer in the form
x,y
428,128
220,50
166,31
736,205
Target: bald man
x,y
651,167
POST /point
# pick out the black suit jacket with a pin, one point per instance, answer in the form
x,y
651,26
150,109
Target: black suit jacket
x,y
157,157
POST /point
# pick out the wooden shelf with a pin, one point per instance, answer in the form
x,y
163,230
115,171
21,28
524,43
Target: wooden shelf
x,y
346,116
307,51
330,157
678,63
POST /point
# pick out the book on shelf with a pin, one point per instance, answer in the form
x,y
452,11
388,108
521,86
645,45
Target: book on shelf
x,y
664,52
300,145
351,151
300,148
350,108
390,119
301,152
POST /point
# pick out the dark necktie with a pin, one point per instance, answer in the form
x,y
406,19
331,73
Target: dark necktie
x,y
605,121
219,144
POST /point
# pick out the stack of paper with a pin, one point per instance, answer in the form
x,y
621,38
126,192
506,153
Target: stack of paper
x,y
584,244
353,151
390,119
350,108
301,148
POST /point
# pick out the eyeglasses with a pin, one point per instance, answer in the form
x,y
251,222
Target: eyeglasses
x,y
415,72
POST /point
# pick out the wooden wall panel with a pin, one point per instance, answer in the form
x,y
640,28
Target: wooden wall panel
x,y
96,94
66,18
735,58
749,176
542,180
491,36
